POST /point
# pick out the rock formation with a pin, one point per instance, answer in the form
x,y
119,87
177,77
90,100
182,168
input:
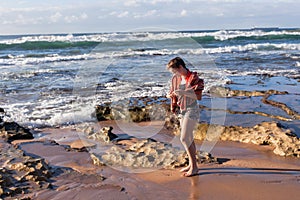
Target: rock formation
x,y
139,153
283,141
11,131
20,174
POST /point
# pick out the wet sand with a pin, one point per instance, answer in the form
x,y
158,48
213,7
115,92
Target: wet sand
x,y
247,171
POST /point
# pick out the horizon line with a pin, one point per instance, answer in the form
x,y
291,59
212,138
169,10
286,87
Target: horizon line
x,y
183,30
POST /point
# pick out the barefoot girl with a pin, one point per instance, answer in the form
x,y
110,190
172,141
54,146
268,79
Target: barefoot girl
x,y
186,89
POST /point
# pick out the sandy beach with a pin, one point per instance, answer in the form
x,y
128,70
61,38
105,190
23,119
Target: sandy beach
x,y
245,171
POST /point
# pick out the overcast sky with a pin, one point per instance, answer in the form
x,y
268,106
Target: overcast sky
x,y
75,16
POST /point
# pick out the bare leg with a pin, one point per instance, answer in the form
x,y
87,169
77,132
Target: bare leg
x,y
193,170
185,169
191,151
187,139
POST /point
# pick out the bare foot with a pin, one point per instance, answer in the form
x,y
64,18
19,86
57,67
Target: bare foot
x,y
191,172
185,169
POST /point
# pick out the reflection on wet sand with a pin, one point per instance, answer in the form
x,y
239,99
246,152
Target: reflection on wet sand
x,y
195,191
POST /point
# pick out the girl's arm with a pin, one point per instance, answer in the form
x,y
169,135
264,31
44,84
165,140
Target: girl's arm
x,y
194,90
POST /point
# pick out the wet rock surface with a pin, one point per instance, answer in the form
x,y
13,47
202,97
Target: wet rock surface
x,y
21,174
219,91
283,140
140,153
134,109
104,135
2,114
11,131
149,154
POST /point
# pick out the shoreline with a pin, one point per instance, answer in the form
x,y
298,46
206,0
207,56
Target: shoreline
x,y
248,171
246,167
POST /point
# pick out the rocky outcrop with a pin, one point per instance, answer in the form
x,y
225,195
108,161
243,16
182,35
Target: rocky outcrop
x,y
219,91
11,131
104,135
283,141
134,109
147,154
172,122
20,174
2,114
137,153
284,107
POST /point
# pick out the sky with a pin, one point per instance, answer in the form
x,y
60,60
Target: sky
x,y
96,16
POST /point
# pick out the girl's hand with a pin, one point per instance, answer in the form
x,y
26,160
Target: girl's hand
x,y
171,95
179,92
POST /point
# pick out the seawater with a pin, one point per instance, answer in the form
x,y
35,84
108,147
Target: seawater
x,y
57,79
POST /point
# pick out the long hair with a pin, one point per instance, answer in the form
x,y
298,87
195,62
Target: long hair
x,y
176,62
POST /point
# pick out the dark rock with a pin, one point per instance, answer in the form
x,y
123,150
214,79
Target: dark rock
x,y
110,134
2,113
6,180
103,112
172,122
11,131
135,109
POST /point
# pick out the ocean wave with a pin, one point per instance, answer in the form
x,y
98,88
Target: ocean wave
x,y
21,60
118,53
54,109
293,56
263,72
67,40
225,49
253,46
256,35
43,45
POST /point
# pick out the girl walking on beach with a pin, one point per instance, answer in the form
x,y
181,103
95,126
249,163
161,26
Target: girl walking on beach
x,y
186,88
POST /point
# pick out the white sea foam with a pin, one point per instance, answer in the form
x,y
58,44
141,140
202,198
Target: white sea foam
x,y
231,34
22,60
63,110
199,50
52,112
225,49
56,110
293,57
258,72
146,36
